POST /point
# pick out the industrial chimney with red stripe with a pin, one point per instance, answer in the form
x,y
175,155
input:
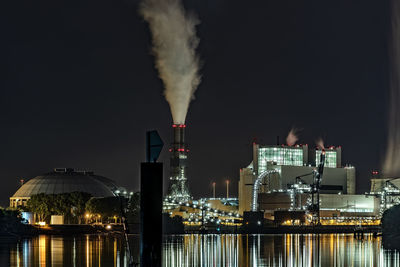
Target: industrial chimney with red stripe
x,y
178,188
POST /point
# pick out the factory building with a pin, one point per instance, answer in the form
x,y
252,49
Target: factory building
x,y
289,163
332,205
386,189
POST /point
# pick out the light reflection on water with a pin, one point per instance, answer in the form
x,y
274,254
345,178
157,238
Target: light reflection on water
x,y
276,250
84,250
207,250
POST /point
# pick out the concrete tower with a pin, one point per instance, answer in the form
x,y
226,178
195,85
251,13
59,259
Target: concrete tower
x,y
178,189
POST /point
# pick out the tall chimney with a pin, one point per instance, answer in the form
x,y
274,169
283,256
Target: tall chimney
x,y
178,189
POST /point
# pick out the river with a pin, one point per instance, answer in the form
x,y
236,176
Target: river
x,y
202,250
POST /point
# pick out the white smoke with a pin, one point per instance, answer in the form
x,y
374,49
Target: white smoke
x,y
391,166
174,47
320,143
292,137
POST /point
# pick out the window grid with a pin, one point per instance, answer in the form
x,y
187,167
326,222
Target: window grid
x,y
281,155
330,158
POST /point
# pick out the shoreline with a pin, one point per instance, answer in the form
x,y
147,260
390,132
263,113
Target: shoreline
x,y
118,230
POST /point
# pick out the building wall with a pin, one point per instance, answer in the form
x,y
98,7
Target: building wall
x,y
378,184
350,203
280,201
333,157
351,180
331,176
282,155
355,204
18,201
246,183
219,205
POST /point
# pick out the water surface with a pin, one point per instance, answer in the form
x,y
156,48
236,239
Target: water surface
x,y
197,250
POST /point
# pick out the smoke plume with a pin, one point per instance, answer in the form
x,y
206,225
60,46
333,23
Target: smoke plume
x,y
292,137
391,166
174,47
320,143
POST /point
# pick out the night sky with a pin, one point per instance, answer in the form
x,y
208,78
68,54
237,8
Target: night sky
x,y
79,88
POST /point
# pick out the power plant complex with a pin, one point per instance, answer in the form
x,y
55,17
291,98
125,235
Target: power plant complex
x,y
288,185
280,184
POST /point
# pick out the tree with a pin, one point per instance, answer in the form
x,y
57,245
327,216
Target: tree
x,y
78,202
134,204
133,210
106,207
40,204
70,205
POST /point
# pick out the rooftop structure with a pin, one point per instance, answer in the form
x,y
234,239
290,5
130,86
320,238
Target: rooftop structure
x,y
64,180
280,154
333,157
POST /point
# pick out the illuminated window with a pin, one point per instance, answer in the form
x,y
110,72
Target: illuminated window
x,y
330,158
292,156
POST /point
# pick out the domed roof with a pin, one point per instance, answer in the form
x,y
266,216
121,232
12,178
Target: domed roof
x,y
66,181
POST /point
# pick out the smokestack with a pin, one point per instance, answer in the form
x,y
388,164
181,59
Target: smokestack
x,y
179,133
178,189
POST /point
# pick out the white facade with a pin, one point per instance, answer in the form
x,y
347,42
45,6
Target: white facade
x,y
289,163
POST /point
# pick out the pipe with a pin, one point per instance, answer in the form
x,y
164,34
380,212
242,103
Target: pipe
x,y
256,187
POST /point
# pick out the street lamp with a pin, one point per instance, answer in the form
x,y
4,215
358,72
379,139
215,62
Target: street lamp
x,y
227,188
213,185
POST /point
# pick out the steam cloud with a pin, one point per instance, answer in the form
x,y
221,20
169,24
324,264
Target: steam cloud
x,y
292,137
320,143
391,166
174,47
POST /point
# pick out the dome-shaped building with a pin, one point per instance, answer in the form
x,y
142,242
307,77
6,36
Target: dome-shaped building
x,y
64,180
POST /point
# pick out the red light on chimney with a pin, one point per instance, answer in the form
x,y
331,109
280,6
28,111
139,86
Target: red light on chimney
x,y
187,150
182,126
174,125
170,150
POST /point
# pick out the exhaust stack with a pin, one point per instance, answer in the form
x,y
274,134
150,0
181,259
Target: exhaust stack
x,y
178,189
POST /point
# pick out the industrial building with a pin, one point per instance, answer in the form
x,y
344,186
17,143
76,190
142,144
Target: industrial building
x,y
333,206
386,189
280,178
65,180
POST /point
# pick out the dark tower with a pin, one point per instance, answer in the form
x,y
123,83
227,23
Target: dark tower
x,y
178,189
